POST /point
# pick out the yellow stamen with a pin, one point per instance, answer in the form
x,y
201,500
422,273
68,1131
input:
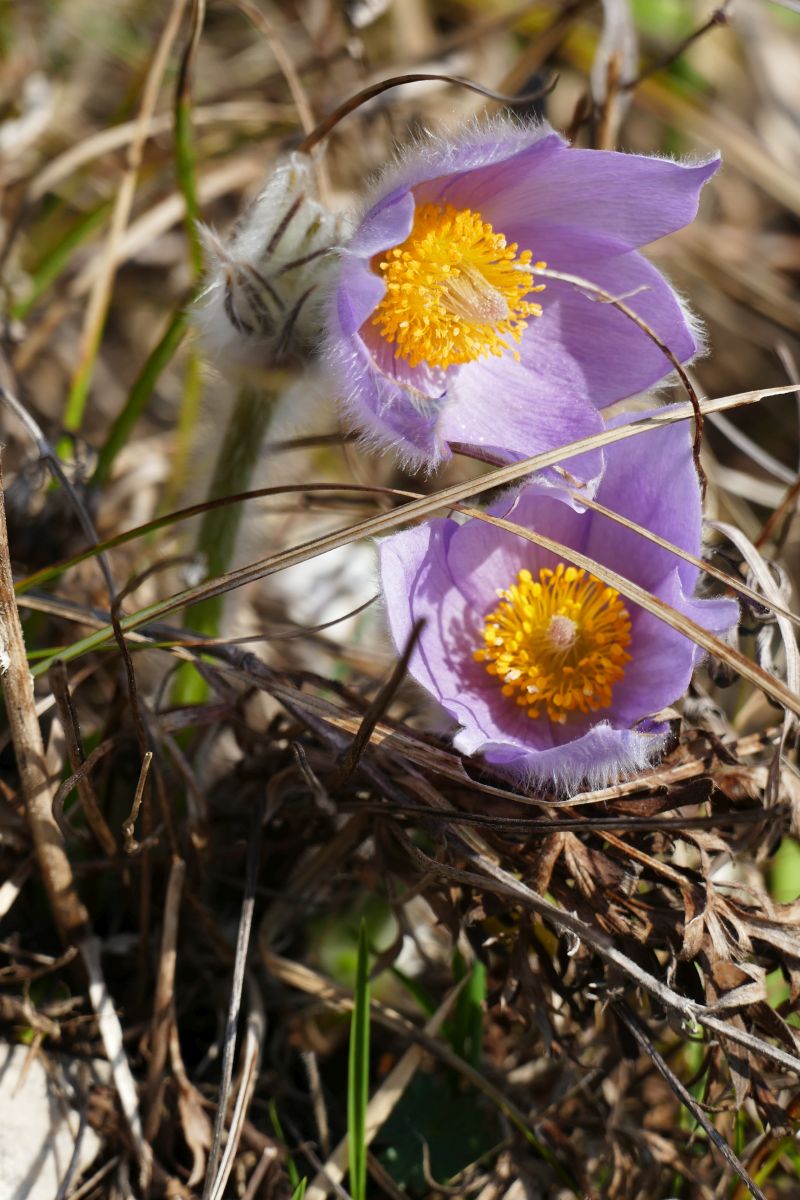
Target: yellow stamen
x,y
455,290
557,643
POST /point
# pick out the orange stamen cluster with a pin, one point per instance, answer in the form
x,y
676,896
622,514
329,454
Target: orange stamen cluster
x,y
455,290
557,643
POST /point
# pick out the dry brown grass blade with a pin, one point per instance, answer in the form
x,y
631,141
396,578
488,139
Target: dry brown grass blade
x,y
111,1034
669,775
118,137
255,1032
38,788
495,878
445,498
261,21
214,1168
100,296
69,720
737,585
375,711
161,1024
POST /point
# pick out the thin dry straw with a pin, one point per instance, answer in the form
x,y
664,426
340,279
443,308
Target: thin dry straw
x,y
449,497
377,89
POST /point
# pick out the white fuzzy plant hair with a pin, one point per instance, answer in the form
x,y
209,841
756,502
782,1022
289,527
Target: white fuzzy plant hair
x,y
265,281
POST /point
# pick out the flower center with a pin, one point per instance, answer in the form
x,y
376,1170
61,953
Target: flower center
x,y
455,291
557,643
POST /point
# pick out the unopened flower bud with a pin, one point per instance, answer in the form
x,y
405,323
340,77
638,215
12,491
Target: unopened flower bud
x,y
264,283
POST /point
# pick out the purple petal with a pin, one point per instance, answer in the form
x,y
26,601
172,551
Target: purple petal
x,y
387,224
580,337
596,758
718,616
417,584
662,659
498,404
497,145
484,558
383,410
650,479
623,200
359,293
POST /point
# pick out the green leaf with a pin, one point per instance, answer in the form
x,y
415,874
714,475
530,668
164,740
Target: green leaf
x,y
457,1126
466,1031
291,1170
785,872
140,393
358,1075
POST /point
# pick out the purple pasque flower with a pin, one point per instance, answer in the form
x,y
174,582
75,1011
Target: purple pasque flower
x,y
438,330
551,674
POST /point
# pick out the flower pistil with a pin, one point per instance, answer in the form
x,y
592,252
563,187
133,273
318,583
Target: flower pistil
x,y
557,643
455,289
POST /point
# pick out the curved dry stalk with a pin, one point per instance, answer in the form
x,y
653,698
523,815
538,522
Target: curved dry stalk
x,y
707,568
606,297
163,1013
38,788
445,498
239,967
255,1031
315,136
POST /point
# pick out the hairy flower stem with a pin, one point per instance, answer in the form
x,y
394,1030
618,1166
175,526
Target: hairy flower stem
x,y
219,530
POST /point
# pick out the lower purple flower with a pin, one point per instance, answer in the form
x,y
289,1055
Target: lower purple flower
x,y
552,675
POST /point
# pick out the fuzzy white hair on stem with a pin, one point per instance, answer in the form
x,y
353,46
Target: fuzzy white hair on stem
x,y
265,281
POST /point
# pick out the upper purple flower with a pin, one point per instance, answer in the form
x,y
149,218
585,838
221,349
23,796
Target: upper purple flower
x,y
440,332
550,673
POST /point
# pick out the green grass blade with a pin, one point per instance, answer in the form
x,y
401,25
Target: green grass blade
x,y
56,260
358,1075
298,1184
139,395
467,1026
187,423
300,1191
187,185
219,529
184,165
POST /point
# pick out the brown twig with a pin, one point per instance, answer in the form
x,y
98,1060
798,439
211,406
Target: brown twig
x,y
129,841
163,1002
59,682
375,711
718,17
38,789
